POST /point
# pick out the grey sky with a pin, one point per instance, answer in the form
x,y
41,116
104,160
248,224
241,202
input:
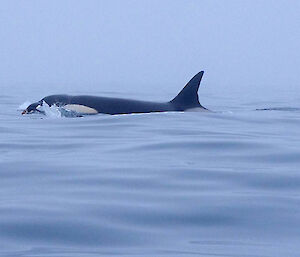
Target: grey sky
x,y
144,43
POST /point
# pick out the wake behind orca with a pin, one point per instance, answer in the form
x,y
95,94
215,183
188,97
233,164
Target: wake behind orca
x,y
85,104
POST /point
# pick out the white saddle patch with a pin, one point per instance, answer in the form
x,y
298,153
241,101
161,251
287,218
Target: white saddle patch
x,y
80,109
197,109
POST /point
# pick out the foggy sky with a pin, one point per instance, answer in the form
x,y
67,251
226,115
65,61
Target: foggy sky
x,y
138,43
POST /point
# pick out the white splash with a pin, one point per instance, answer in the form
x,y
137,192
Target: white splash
x,y
23,106
50,111
55,111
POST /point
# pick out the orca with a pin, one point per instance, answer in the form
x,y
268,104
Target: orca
x,y
86,104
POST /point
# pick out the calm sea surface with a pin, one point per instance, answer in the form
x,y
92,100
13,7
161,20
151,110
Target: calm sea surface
x,y
225,183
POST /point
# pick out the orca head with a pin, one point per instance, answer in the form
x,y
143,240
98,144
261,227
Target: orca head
x,y
32,108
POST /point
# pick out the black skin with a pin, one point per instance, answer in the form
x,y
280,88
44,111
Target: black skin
x,y
32,108
186,99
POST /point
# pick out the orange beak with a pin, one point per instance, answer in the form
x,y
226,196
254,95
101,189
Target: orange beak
x,y
24,112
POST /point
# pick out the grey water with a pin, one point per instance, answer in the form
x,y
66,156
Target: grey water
x,y
222,183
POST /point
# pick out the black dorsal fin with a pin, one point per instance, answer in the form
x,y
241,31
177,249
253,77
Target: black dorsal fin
x,y
188,96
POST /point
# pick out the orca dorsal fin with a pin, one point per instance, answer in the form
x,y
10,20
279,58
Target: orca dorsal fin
x,y
188,96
